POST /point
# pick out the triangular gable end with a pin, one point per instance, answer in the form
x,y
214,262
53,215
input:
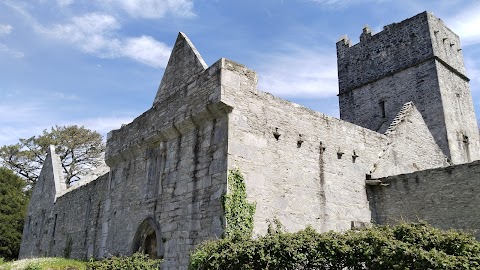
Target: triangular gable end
x,y
184,64
411,146
57,172
50,181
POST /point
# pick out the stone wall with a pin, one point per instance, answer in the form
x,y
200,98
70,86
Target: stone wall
x,y
306,168
77,221
460,119
447,198
398,46
170,164
417,60
63,222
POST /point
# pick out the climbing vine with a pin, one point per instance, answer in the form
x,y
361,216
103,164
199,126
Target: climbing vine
x,y
238,211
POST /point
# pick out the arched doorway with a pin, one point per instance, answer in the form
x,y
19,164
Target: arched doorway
x,y
148,239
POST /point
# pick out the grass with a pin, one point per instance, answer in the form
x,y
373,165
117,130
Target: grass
x,y
43,264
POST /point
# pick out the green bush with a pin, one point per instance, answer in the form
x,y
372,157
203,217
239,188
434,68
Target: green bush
x,y
137,261
405,246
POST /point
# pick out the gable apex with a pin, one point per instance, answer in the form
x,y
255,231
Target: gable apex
x,y
184,64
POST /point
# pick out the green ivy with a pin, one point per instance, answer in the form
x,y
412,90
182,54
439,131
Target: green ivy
x,y
238,211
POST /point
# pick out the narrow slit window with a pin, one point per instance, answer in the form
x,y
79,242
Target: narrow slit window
x,y
382,108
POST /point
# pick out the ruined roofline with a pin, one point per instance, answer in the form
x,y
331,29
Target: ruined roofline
x,y
53,161
92,176
121,143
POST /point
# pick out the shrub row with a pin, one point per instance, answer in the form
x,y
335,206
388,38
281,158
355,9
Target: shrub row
x,y
137,261
405,246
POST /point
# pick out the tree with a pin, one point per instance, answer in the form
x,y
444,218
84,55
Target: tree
x,y
13,205
79,148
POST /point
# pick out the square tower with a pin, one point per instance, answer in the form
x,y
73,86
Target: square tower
x,y
419,60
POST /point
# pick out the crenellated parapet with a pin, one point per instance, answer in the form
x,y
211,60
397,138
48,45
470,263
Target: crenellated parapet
x,y
398,46
419,60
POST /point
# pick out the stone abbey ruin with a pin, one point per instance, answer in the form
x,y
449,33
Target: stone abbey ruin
x,y
405,149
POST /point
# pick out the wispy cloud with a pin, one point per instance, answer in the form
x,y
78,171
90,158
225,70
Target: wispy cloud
x,y
10,51
153,9
465,24
299,72
93,32
5,29
96,33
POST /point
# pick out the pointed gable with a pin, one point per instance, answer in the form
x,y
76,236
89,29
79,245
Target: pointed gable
x,y
411,146
184,65
50,182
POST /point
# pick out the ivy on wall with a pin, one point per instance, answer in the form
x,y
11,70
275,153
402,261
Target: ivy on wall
x,y
238,211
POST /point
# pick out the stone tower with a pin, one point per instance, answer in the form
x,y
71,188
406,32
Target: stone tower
x,y
419,60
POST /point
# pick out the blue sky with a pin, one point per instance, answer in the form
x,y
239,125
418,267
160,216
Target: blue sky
x,y
98,63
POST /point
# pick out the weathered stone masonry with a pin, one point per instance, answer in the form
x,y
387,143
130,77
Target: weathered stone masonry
x,y
418,60
160,192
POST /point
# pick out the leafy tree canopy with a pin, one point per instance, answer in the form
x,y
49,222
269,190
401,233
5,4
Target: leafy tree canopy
x,y
13,205
79,148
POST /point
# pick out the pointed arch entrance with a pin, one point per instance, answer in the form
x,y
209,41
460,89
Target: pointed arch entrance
x,y
148,239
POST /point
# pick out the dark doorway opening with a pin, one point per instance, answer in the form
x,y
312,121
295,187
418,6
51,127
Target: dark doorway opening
x,y
148,239
150,245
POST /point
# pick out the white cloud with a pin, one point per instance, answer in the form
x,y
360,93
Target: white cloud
x,y
146,50
12,52
96,33
299,73
5,29
92,32
154,9
465,24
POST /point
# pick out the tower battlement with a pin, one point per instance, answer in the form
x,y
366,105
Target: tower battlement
x,y
419,60
398,46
